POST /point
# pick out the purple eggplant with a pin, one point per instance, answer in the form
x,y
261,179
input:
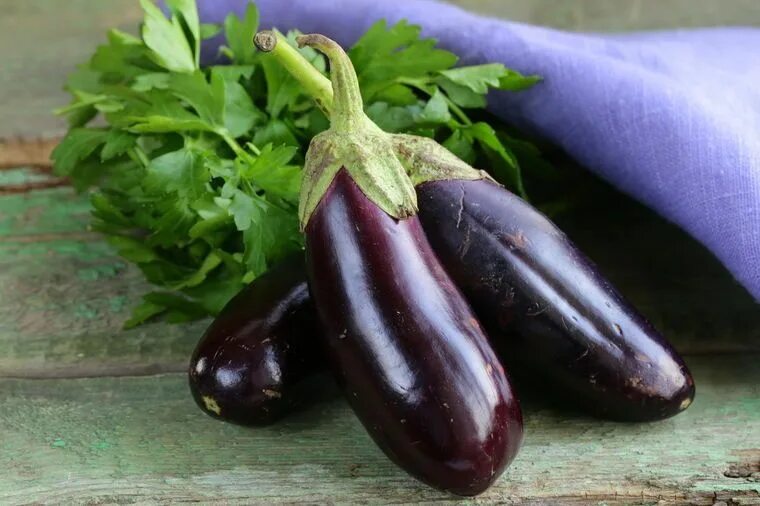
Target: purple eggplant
x,y
403,345
547,307
249,368
408,352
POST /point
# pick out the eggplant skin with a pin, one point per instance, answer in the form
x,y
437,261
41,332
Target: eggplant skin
x,y
406,350
547,308
250,365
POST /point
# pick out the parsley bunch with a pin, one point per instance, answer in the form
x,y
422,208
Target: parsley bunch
x,y
195,171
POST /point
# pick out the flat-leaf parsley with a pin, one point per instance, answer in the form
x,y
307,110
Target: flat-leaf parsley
x,y
195,171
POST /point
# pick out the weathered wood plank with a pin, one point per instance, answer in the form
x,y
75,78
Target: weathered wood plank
x,y
62,305
64,294
26,152
41,42
27,213
142,439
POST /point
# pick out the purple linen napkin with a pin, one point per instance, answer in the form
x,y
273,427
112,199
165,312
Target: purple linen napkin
x,y
670,118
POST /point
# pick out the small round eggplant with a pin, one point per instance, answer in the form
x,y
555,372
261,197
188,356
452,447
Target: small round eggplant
x,y
407,351
547,308
250,364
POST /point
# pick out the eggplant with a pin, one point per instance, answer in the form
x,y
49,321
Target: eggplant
x,y
404,346
547,307
251,365
408,352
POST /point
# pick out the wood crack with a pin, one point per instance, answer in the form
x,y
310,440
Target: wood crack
x,y
37,238
14,189
15,153
98,372
664,498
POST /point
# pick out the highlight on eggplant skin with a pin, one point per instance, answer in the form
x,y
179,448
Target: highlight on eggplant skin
x,y
547,308
406,349
249,366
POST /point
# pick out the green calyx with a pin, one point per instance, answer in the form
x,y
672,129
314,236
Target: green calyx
x,y
385,166
426,160
354,143
370,160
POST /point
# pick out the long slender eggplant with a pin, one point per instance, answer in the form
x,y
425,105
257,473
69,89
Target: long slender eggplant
x,y
404,346
250,365
547,307
409,354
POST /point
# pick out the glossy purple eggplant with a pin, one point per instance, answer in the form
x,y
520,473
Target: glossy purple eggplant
x,y
250,365
407,351
546,306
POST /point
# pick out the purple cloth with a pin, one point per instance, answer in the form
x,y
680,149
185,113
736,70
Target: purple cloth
x,y
670,118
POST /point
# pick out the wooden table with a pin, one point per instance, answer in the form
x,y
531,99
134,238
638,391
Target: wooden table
x,y
93,414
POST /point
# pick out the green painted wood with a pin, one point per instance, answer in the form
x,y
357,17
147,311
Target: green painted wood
x,y
119,438
63,303
142,439
50,212
64,294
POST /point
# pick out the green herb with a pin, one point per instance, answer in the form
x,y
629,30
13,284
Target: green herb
x,y
195,175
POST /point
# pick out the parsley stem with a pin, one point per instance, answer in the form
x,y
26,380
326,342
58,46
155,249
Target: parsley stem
x,y
312,80
232,143
458,111
254,148
138,153
316,84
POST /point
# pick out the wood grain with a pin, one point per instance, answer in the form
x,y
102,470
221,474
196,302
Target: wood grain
x,y
41,42
143,440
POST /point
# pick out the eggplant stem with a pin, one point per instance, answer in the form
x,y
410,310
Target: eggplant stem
x,y
353,142
314,83
348,107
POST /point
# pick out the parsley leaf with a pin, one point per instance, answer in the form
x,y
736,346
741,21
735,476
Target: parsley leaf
x,y
239,33
166,39
504,166
117,143
181,172
384,54
479,78
78,144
